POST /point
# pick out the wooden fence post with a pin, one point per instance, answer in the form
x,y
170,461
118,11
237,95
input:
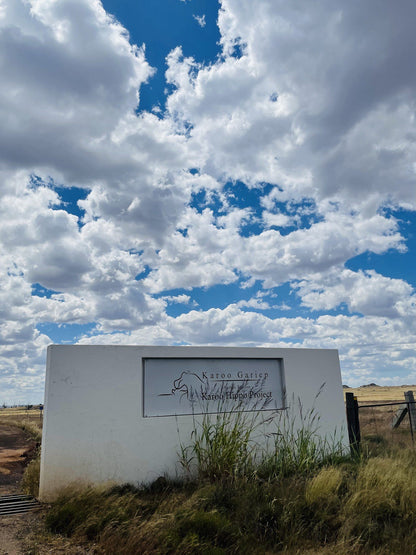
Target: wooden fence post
x,y
353,422
400,414
410,400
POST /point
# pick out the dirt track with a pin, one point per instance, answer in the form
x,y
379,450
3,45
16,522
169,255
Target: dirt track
x,y
16,450
19,533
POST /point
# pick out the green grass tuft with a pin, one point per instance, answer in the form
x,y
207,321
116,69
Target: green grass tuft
x,y
223,445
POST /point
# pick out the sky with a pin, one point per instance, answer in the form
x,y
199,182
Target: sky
x,y
194,172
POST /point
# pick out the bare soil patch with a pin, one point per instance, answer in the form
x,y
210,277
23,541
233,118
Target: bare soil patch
x,y
16,450
23,534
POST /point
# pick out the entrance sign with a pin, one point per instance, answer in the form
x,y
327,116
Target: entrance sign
x,y
180,386
120,414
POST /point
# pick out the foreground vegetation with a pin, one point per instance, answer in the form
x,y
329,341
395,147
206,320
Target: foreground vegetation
x,y
305,497
360,506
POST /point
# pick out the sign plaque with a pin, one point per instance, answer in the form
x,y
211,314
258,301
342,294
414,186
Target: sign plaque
x,y
186,386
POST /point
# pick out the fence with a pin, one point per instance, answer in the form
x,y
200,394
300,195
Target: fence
x,y
22,412
381,424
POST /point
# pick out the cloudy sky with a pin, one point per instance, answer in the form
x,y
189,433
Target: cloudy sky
x,y
177,172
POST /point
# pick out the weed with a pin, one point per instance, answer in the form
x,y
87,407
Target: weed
x,y
32,428
234,443
297,446
30,481
382,504
225,444
202,530
323,488
221,446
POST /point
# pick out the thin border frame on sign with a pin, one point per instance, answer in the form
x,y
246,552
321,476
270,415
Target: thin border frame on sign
x,y
280,360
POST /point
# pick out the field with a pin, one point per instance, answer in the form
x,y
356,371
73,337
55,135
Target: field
x,y
374,393
20,414
376,422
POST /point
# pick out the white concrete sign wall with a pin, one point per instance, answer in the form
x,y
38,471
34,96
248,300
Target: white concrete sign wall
x,y
119,413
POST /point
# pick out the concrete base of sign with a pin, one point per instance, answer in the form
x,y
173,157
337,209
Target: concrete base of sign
x,y
105,419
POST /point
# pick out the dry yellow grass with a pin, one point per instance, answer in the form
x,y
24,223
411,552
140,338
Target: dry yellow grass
x,y
380,393
29,420
377,433
20,413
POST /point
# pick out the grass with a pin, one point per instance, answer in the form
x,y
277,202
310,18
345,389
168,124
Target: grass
x,y
20,413
233,443
30,421
361,506
304,496
380,393
30,481
223,445
31,427
298,446
377,433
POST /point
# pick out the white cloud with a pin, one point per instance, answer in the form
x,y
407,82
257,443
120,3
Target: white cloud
x,y
320,102
369,346
254,303
69,89
200,19
68,74
276,220
179,299
315,101
213,251
366,292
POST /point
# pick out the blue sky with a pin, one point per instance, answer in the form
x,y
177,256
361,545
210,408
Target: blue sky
x,y
198,172
178,27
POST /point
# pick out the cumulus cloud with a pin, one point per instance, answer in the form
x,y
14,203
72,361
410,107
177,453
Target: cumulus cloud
x,y
319,101
211,253
311,107
70,87
365,292
68,74
371,347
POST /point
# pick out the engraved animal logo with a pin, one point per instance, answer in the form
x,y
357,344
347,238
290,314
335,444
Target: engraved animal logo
x,y
190,385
